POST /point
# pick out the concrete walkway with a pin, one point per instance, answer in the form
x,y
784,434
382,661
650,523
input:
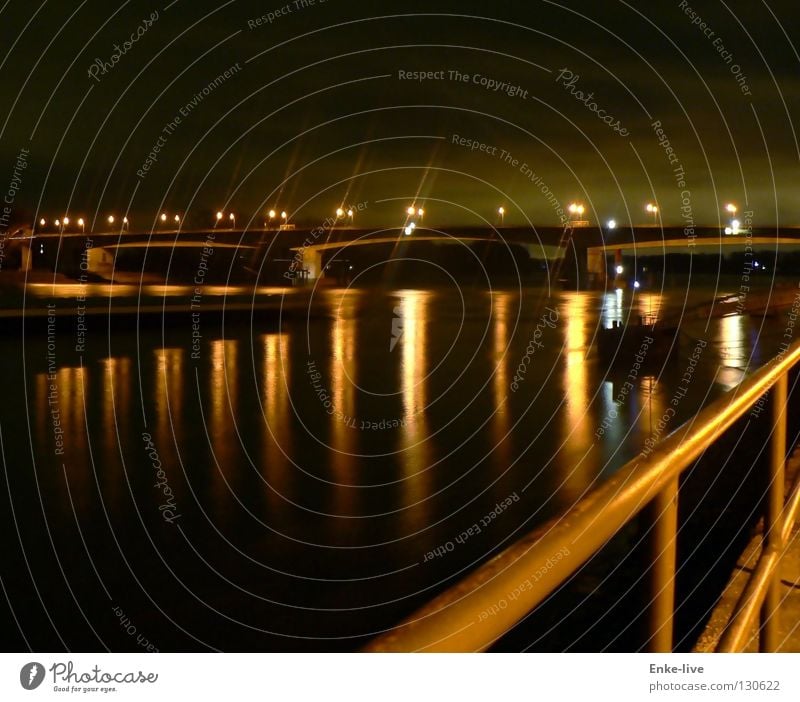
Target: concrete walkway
x,y
789,622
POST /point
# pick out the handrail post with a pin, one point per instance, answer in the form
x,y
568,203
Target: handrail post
x,y
773,524
663,546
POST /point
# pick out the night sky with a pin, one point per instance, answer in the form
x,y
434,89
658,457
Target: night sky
x,y
314,113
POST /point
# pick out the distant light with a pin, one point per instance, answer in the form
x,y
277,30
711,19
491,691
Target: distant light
x,y
350,268
501,211
651,208
284,215
350,213
177,218
735,225
124,220
58,223
756,264
611,224
408,231
110,219
66,220
339,212
636,284
163,217
730,207
42,222
80,222
728,230
271,214
219,215
421,212
410,211
619,269
231,217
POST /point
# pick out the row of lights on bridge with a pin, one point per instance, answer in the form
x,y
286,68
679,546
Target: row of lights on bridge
x,y
576,211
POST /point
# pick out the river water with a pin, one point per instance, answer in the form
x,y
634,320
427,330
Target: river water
x,y
303,483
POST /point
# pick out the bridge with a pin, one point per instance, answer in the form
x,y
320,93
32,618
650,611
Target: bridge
x,y
586,256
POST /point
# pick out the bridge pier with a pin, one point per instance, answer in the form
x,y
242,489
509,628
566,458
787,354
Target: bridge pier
x,y
596,268
312,262
26,257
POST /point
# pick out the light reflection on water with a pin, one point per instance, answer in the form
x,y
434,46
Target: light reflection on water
x,y
253,455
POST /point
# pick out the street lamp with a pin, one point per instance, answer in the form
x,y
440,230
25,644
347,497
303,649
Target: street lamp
x,y
339,212
611,224
232,217
219,217
351,214
730,207
177,219
163,216
285,217
420,213
80,224
42,222
125,225
653,210
576,209
409,230
502,212
110,219
411,211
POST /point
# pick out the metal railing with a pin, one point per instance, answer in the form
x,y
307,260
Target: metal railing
x,y
477,611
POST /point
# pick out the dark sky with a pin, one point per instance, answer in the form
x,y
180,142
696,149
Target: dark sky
x,y
317,115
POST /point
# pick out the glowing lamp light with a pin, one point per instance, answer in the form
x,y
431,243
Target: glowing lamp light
x,y
219,216
58,223
410,211
651,208
271,214
339,212
177,218
231,217
350,214
728,231
501,211
42,222
408,231
730,207
636,284
80,222
611,224
619,270
735,224
421,212
110,219
66,221
163,217
284,215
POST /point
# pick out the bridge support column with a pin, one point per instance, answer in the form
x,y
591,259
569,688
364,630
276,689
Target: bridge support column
x,y
596,267
26,257
312,261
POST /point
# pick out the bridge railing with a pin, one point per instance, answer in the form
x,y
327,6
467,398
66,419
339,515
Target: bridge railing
x,y
477,611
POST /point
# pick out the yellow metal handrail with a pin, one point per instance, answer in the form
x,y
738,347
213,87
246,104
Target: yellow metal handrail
x,y
477,611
